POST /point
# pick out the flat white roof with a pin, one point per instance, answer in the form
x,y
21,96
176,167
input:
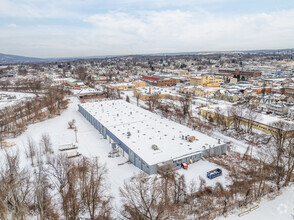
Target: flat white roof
x,y
147,129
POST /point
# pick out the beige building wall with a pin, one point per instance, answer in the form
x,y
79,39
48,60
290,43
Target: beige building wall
x,y
211,116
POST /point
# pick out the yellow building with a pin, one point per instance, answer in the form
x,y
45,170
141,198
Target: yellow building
x,y
226,120
210,115
212,85
145,93
126,86
207,81
204,91
195,81
123,86
137,84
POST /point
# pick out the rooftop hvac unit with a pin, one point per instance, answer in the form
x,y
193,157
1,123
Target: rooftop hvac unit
x,y
192,138
155,147
128,134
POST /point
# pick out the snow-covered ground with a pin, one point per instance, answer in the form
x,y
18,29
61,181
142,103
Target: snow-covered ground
x,y
92,144
199,169
280,208
13,98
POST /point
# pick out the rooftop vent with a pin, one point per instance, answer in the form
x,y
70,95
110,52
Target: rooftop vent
x,y
192,138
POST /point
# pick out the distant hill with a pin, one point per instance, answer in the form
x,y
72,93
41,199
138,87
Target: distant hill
x,y
10,59
13,59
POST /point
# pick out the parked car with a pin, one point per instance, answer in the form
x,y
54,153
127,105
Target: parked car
x,y
184,165
214,173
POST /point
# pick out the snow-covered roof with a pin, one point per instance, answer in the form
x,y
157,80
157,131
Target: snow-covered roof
x,y
120,84
157,90
148,129
89,91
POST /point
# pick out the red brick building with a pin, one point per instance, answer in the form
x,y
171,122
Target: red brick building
x,y
240,74
289,91
159,80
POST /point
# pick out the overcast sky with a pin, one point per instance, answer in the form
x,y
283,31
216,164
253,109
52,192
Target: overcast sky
x,y
69,28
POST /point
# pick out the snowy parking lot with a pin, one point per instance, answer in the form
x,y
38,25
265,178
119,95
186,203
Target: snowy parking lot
x,y
200,169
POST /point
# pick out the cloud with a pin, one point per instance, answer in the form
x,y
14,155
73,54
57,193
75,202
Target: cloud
x,y
152,31
35,9
12,25
194,30
81,8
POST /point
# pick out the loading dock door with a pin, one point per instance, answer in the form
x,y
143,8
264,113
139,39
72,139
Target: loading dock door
x,y
125,155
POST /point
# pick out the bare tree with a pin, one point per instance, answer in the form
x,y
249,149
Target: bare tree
x,y
71,124
128,98
65,178
138,96
219,118
46,143
153,102
82,187
42,196
15,189
146,197
186,106
236,113
31,149
82,73
94,189
250,116
282,153
142,198
173,184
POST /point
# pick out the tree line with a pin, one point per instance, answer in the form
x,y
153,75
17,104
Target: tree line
x,y
14,119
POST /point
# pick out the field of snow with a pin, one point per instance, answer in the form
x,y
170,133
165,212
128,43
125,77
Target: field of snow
x,y
280,208
91,144
13,98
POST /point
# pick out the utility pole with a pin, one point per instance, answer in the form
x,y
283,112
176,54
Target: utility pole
x,y
76,133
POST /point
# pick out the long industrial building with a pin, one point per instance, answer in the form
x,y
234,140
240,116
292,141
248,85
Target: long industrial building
x,y
147,139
